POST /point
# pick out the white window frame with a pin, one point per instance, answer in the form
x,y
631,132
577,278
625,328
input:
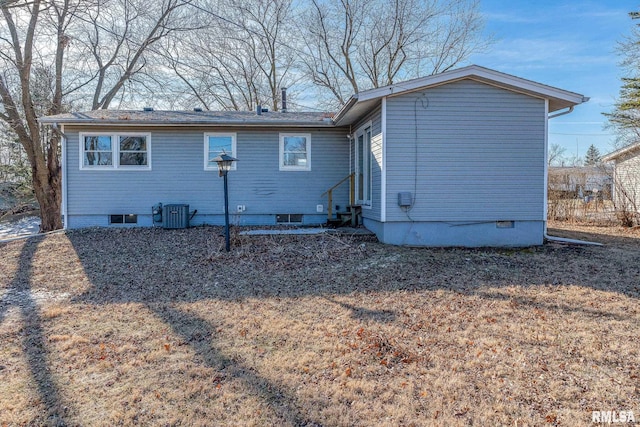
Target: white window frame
x,y
367,162
284,167
115,150
214,167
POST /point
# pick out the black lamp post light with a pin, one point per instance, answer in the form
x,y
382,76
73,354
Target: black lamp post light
x,y
224,162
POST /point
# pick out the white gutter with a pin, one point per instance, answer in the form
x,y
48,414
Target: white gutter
x,y
328,123
561,113
345,108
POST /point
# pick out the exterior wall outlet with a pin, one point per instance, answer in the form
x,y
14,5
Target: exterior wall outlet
x,y
241,208
319,208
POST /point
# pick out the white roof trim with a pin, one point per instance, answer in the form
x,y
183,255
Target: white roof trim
x,y
474,72
470,72
621,152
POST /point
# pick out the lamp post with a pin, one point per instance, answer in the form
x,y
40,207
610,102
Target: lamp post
x,y
224,162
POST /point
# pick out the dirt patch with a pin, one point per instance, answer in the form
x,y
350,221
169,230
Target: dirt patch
x,y
162,327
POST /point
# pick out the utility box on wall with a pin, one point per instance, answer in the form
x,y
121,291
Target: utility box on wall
x,y
175,216
404,199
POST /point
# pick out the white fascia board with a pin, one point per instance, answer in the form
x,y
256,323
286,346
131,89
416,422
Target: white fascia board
x,y
479,73
345,108
621,152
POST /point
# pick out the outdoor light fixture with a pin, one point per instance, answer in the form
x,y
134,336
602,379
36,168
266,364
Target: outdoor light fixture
x,y
224,162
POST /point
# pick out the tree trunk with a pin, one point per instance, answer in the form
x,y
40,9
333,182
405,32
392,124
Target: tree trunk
x,y
49,195
46,178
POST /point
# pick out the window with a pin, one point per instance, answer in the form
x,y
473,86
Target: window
x,y
133,151
98,151
123,219
363,165
289,218
216,144
117,151
295,152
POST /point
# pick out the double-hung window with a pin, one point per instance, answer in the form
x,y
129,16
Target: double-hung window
x,y
126,151
216,144
295,151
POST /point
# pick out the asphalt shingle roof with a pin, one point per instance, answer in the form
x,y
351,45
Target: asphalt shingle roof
x,y
163,117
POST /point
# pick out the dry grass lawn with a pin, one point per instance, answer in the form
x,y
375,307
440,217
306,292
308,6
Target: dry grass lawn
x,y
158,327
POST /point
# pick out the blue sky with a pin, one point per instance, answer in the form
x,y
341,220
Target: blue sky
x,y
566,44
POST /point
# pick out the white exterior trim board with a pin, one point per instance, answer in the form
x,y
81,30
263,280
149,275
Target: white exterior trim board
x,y
383,173
477,73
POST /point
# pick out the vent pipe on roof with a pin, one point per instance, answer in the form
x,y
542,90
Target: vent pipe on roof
x,y
147,109
259,109
197,110
284,100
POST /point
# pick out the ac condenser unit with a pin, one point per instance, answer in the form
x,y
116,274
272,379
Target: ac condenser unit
x,y
175,216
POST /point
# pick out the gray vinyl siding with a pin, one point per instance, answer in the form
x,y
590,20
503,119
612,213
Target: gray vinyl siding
x,y
477,154
178,175
375,117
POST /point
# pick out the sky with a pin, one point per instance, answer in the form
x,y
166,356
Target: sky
x,y
566,44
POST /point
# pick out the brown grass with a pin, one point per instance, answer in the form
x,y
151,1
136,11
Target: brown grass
x,y
156,327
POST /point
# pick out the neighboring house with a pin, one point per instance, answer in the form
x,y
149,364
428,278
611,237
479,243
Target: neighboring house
x,y
626,177
581,181
453,159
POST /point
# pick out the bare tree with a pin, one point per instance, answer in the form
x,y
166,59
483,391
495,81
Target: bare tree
x,y
555,157
15,172
39,77
242,59
360,44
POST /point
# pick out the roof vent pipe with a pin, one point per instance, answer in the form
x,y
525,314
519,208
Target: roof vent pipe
x,y
147,109
259,109
284,100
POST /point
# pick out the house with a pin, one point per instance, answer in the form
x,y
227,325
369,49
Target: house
x,y
626,177
581,181
453,159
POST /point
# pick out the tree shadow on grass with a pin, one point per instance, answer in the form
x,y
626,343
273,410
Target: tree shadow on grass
x,y
365,314
161,268
34,343
198,333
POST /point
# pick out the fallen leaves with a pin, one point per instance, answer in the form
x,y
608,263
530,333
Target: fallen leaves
x,y
322,329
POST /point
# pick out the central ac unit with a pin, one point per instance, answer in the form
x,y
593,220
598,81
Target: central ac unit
x,y
175,216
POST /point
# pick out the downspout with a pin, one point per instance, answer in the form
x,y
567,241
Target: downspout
x,y
63,165
546,181
545,208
